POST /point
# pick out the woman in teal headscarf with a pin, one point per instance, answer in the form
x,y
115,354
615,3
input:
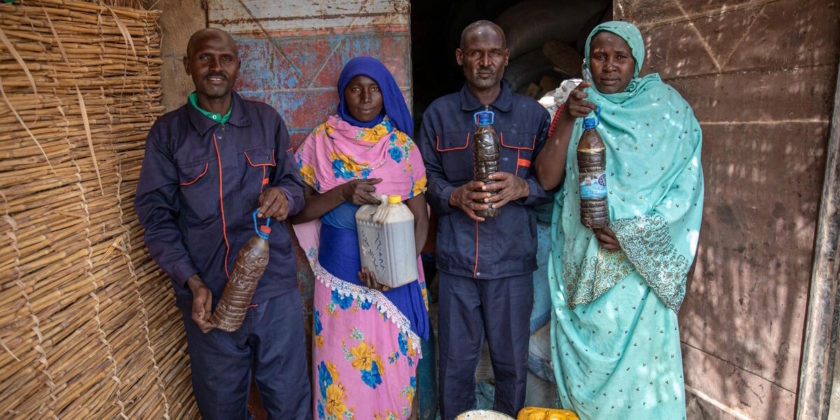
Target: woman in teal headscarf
x,y
616,291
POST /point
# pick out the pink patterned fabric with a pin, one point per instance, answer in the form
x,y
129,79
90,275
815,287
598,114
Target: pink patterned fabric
x,y
337,152
369,346
364,352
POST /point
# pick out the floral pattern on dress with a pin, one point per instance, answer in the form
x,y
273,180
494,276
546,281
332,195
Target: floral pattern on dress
x,y
319,339
386,415
396,153
375,133
336,152
343,302
402,340
308,174
369,344
419,188
345,167
425,295
364,358
332,403
410,389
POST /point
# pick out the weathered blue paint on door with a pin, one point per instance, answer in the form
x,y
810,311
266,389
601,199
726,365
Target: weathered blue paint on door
x,y
293,51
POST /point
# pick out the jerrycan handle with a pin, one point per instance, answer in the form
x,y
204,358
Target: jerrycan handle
x,y
381,212
262,231
485,117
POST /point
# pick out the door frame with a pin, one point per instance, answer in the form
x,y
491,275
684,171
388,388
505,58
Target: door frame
x,y
816,369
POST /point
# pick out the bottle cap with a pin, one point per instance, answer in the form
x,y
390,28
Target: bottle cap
x,y
593,121
264,230
394,199
484,118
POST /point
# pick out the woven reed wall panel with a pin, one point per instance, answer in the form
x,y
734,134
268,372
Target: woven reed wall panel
x,y
88,323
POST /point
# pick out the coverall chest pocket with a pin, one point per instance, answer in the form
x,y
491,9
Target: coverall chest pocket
x,y
456,156
517,152
199,199
261,162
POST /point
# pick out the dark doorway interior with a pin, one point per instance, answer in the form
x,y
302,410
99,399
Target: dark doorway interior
x,y
546,39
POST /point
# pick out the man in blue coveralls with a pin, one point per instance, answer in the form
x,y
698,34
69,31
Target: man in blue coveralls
x,y
485,265
208,166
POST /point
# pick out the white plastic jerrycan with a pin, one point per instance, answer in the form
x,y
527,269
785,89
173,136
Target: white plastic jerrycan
x,y
386,241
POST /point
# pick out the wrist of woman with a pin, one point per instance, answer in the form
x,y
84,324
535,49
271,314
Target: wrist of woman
x,y
561,110
342,192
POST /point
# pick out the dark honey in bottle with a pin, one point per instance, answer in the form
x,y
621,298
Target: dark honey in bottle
x,y
247,270
593,180
486,154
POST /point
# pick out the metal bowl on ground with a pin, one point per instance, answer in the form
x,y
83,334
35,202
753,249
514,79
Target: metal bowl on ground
x,y
483,415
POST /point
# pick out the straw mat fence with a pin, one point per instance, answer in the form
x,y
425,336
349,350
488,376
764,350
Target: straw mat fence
x,y
88,323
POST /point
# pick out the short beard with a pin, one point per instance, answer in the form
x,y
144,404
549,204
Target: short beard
x,y
485,83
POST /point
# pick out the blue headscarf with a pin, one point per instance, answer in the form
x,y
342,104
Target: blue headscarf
x,y
393,102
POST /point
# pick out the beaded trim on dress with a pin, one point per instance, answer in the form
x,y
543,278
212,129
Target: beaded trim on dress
x,y
385,306
648,244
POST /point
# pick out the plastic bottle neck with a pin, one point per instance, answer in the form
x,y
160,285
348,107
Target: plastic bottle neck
x,y
484,118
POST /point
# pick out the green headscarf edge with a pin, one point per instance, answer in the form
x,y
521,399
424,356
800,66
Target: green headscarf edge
x,y
629,33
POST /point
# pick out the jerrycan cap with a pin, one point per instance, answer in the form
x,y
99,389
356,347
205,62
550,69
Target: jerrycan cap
x,y
394,199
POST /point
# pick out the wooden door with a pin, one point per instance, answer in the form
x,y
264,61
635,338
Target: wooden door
x,y
760,76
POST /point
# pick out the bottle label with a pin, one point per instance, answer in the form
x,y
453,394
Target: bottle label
x,y
593,186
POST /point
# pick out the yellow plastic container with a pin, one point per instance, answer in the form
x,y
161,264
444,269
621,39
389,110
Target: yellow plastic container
x,y
541,413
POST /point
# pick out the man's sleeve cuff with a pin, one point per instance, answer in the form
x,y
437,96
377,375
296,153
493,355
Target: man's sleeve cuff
x,y
293,204
182,273
445,193
535,190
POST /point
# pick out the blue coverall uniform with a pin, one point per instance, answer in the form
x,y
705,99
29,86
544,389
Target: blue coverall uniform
x,y
486,286
199,184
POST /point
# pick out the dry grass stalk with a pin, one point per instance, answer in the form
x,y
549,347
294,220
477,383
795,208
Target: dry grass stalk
x,y
89,327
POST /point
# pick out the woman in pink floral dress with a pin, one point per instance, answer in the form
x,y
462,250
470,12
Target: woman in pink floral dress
x,y
367,337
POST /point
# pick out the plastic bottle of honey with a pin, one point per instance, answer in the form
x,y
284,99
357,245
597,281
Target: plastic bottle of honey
x,y
486,154
247,270
593,180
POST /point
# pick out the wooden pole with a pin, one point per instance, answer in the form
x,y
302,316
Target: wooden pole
x,y
816,372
